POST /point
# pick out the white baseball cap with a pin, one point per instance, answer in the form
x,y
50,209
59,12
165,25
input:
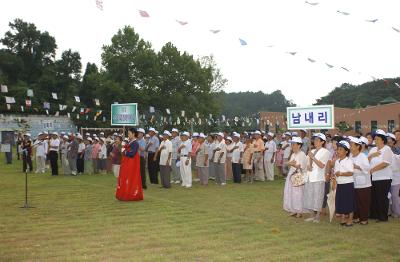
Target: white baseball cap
x,y
195,134
380,132
304,130
65,137
236,135
101,133
229,138
151,129
270,134
202,135
141,130
320,135
79,137
257,132
87,134
355,140
364,140
55,133
295,134
167,133
185,134
220,134
296,139
344,144
88,139
391,136
175,130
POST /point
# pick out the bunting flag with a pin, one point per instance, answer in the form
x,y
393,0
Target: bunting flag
x,y
69,115
82,111
77,116
182,113
87,110
397,84
57,113
178,121
182,22
345,69
47,112
312,3
28,103
73,109
372,20
395,29
151,109
214,31
46,105
99,4
292,53
8,107
97,102
197,114
77,99
311,60
143,13
98,113
54,95
242,42
10,100
328,65
4,89
343,13
29,93
167,110
22,108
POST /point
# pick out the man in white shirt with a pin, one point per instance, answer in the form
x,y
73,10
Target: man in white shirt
x,y
41,151
269,157
219,160
237,154
176,142
54,147
165,152
185,160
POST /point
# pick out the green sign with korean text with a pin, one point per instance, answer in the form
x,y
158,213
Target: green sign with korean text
x,y
124,114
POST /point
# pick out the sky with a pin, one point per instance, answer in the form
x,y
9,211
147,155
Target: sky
x,y
270,28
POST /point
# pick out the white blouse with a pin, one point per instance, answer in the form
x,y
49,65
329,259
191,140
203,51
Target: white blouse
x,y
396,170
318,174
362,178
386,156
344,166
301,159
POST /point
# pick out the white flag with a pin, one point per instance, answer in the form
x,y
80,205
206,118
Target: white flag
x,y
73,109
77,99
4,89
97,102
54,95
10,100
151,109
167,110
8,106
22,108
29,93
182,113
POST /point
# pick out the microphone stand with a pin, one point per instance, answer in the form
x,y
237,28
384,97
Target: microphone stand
x,y
26,205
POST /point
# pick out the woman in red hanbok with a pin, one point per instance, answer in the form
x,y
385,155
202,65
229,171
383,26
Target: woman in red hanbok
x,y
129,186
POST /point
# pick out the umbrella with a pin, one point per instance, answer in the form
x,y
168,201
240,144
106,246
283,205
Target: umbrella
x,y
331,203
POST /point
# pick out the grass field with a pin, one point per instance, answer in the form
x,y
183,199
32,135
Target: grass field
x,y
78,219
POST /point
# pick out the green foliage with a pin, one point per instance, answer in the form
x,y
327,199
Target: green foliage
x,y
367,94
250,103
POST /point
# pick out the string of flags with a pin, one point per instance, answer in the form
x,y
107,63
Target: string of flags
x,y
244,42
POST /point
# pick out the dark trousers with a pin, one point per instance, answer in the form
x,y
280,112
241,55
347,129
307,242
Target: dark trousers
x,y
80,164
53,155
379,200
26,163
363,202
165,174
237,174
9,158
143,171
152,166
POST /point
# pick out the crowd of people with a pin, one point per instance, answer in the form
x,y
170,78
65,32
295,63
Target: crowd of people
x,y
363,171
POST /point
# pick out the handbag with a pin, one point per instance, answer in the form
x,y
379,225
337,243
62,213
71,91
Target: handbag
x,y
297,178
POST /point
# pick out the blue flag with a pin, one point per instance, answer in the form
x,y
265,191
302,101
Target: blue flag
x,y
242,42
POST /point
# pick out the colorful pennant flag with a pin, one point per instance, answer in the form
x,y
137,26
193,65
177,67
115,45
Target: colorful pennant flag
x,y
242,42
143,13
214,31
99,4
182,22
54,95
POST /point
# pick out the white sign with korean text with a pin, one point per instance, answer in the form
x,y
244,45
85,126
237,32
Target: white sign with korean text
x,y
312,117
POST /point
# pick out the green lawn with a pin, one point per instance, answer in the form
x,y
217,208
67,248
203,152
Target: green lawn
x,y
78,218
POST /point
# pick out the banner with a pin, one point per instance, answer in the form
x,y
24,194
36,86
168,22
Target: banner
x,y
312,117
124,114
